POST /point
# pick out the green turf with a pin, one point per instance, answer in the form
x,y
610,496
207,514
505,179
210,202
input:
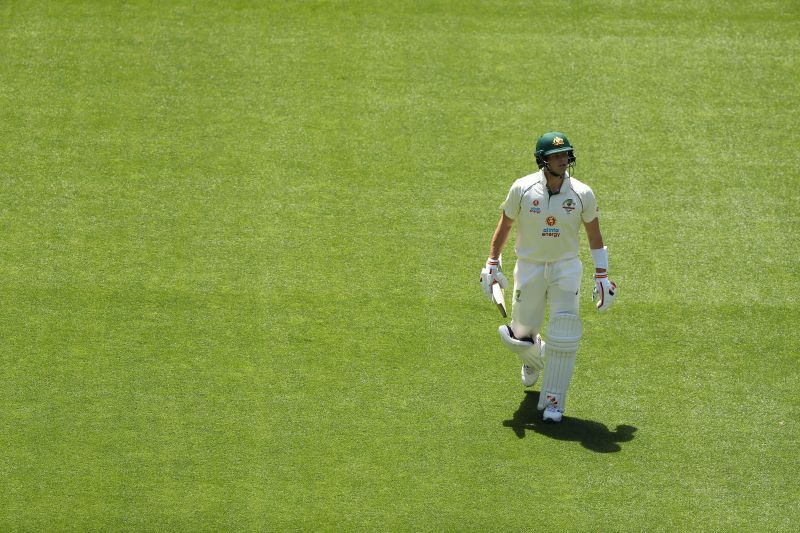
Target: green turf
x,y
241,243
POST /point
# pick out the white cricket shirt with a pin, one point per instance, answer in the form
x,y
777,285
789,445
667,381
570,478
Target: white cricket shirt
x,y
547,226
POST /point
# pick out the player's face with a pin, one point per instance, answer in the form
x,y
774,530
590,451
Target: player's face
x,y
558,163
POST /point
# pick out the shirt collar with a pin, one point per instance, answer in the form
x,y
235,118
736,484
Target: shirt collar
x,y
565,185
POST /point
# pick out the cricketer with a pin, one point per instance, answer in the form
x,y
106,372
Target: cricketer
x,y
548,207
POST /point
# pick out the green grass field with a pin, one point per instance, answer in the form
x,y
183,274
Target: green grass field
x,y
240,254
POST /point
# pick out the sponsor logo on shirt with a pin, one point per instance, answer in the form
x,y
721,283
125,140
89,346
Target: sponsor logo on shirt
x,y
536,209
568,205
551,231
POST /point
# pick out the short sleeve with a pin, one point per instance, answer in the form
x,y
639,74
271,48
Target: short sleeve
x,y
590,209
511,205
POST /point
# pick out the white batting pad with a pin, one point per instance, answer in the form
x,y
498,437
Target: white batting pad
x,y
528,352
564,332
562,338
555,383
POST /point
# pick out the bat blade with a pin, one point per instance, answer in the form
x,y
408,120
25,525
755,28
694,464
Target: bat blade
x,y
499,299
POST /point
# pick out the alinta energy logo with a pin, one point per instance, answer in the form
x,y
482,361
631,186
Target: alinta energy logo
x,y
551,231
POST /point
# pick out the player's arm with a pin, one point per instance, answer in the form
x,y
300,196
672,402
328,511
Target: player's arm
x,y
595,240
490,274
604,289
500,235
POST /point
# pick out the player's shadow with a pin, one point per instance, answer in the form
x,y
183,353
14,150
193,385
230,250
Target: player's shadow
x,y
592,435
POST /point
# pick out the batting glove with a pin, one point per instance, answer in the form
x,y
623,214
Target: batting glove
x,y
490,274
604,291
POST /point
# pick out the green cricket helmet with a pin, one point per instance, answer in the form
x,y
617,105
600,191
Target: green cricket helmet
x,y
552,143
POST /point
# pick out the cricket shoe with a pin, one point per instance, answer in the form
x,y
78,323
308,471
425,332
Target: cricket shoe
x,y
529,375
552,414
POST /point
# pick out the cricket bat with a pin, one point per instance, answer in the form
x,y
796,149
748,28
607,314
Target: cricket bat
x,y
498,296
499,299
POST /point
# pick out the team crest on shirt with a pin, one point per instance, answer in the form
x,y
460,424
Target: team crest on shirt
x,y
568,205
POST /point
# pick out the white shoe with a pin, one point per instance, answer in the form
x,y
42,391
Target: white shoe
x,y
552,414
529,375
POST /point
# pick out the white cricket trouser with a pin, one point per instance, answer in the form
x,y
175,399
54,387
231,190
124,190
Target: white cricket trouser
x,y
536,284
